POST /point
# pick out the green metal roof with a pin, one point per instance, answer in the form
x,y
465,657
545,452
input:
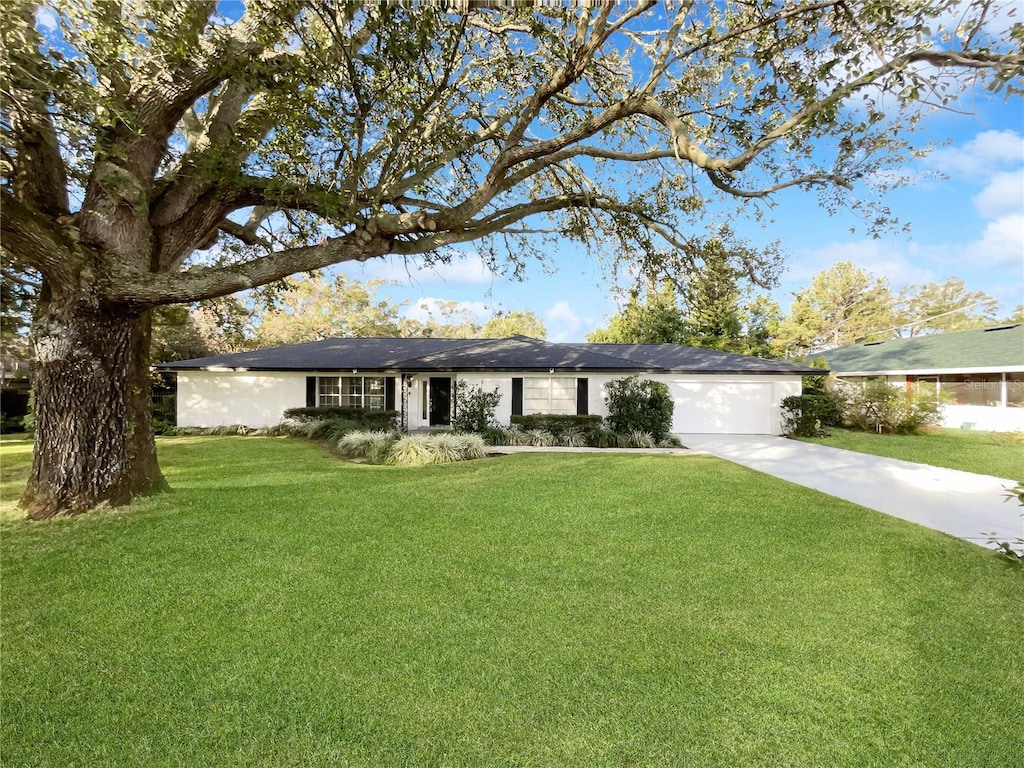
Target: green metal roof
x,y
997,347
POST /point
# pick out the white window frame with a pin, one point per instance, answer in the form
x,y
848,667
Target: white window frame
x,y
369,394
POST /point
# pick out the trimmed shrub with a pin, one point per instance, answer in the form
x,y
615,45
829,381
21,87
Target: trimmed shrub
x,y
806,415
639,404
364,417
474,408
670,442
556,423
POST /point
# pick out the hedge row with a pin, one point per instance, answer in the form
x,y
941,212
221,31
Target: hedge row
x,y
371,419
556,424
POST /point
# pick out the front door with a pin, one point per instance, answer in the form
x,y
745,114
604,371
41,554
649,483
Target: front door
x,y
440,401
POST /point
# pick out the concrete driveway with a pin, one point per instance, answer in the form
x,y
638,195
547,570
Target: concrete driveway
x,y
961,504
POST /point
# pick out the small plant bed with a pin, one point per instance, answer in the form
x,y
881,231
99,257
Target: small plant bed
x,y
573,437
415,450
280,608
1000,454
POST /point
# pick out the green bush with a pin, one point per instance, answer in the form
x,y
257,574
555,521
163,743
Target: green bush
x,y
881,407
496,436
556,423
639,404
364,417
602,438
474,408
805,415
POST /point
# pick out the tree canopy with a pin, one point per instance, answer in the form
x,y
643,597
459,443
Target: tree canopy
x,y
306,134
712,305
842,305
943,307
168,152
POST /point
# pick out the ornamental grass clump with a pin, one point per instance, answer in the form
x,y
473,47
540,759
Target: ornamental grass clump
x,y
539,438
411,451
572,438
636,438
471,446
445,448
372,446
602,438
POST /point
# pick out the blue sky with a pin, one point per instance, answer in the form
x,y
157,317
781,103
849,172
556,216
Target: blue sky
x,y
969,225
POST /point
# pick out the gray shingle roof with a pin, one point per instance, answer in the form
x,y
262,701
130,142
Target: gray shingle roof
x,y
996,347
517,353
521,353
681,359
326,355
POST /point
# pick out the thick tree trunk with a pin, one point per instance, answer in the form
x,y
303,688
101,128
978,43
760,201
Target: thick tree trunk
x,y
94,433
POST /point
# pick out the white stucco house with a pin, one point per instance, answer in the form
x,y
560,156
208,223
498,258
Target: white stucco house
x,y
714,392
981,371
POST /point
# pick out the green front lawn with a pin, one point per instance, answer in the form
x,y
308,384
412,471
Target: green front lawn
x,y
284,608
1000,454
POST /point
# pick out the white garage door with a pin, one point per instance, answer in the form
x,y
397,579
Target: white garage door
x,y
735,407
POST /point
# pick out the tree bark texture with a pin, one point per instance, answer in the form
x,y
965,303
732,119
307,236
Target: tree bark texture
x,y
94,431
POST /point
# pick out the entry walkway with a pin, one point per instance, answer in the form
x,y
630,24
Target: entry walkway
x,y
962,504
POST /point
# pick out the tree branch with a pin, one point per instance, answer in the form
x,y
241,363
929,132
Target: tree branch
x,y
203,282
31,239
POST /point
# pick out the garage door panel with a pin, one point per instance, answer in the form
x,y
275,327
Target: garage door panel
x,y
736,407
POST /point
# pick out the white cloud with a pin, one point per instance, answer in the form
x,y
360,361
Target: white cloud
x,y
877,257
983,156
1001,243
562,322
467,270
46,19
439,309
1004,195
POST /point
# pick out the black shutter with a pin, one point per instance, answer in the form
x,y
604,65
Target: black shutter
x,y
311,391
582,389
517,397
389,393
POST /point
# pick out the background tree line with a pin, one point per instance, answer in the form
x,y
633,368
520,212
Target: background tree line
x,y
720,308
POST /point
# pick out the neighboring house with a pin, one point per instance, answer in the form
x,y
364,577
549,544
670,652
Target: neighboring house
x,y
15,386
713,391
982,372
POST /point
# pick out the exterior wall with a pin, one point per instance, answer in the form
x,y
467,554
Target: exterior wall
x,y
989,418
720,404
503,382
222,398
703,403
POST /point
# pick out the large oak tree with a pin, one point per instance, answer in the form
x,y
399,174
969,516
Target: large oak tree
x,y
155,152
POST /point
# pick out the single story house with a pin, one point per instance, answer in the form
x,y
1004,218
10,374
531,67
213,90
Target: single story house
x,y
714,392
981,370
